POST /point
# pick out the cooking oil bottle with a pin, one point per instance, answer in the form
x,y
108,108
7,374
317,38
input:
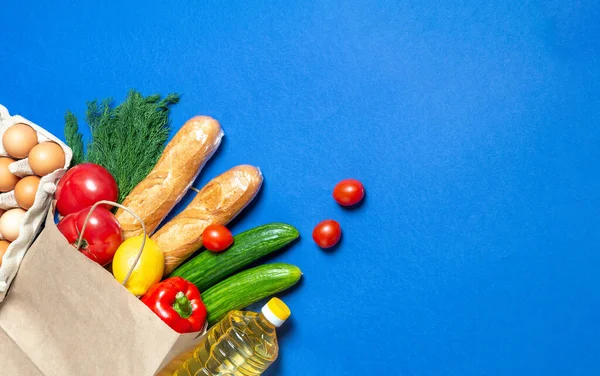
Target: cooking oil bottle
x,y
242,344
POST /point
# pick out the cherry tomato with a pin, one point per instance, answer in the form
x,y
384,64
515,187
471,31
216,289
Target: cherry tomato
x,y
83,186
327,233
217,238
348,192
102,234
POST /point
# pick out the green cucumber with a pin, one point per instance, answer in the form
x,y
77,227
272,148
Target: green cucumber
x,y
210,268
248,287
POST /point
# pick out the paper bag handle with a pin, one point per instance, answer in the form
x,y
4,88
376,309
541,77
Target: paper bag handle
x,y
87,218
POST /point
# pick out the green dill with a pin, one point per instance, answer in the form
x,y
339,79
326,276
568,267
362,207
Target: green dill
x,y
127,139
74,138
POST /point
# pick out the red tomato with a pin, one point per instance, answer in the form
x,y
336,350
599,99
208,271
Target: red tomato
x,y
217,238
102,234
83,186
348,192
327,233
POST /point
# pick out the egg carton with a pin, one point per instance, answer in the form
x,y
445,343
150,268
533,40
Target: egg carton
x,y
34,217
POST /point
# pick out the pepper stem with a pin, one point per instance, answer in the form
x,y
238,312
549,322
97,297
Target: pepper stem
x,y
182,305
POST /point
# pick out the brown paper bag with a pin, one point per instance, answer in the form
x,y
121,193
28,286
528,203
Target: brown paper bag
x,y
14,360
66,315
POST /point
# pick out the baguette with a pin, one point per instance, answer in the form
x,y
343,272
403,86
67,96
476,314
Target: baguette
x,y
217,203
179,165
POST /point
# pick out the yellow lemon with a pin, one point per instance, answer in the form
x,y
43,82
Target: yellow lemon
x,y
148,270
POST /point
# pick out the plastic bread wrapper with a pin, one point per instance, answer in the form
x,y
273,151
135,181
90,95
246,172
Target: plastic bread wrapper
x,y
215,146
35,216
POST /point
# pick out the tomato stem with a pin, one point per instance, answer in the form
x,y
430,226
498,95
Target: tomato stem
x,y
80,244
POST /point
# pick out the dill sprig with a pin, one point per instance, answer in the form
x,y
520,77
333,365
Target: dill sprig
x,y
74,138
127,139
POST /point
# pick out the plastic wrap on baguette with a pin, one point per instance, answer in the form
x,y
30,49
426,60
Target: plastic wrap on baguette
x,y
218,202
179,165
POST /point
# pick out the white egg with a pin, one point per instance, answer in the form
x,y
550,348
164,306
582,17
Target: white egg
x,y
10,223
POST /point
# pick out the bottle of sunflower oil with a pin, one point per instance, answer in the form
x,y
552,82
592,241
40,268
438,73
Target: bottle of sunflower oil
x,y
242,344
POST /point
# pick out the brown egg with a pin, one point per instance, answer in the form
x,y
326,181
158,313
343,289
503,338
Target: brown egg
x,y
46,158
3,247
10,223
7,179
18,140
25,191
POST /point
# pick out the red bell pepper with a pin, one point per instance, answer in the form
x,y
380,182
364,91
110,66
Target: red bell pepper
x,y
178,303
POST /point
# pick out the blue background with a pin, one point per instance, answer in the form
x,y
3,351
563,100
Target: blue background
x,y
474,127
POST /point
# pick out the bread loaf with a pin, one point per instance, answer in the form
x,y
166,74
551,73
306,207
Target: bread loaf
x,y
185,155
217,203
